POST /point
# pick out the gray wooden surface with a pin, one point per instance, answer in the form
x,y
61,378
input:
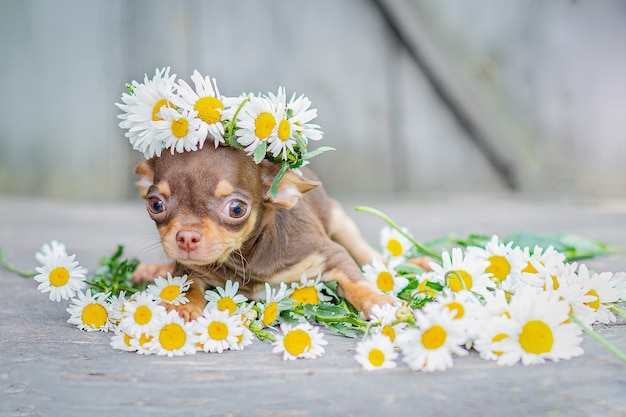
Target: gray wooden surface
x,y
50,368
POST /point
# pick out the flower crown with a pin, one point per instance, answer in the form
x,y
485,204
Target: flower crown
x,y
163,113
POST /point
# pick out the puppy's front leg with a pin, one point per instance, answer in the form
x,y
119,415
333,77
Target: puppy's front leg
x,y
148,272
193,309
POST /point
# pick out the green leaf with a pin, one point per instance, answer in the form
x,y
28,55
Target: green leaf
x,y
259,152
276,181
316,152
342,329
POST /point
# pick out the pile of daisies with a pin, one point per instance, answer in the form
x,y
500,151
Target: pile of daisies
x,y
165,113
507,303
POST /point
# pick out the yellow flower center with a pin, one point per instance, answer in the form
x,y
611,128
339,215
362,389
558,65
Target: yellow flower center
x,y
264,125
555,283
170,293
297,342
422,288
389,332
127,340
180,127
227,304
142,315
305,295
498,266
376,357
94,315
497,338
172,336
595,305
143,339
157,108
434,337
457,308
209,109
284,130
394,247
384,281
464,283
270,313
218,330
536,337
59,276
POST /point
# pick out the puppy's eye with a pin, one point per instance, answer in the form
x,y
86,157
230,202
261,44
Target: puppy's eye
x,y
237,209
155,205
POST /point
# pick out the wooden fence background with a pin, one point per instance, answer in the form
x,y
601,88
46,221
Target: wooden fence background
x,y
418,97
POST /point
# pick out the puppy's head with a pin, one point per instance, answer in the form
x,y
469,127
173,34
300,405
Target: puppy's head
x,y
206,204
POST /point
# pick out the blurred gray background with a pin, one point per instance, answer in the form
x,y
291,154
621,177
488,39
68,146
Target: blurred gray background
x,y
419,97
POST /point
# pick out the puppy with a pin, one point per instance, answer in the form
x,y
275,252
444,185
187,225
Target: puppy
x,y
217,221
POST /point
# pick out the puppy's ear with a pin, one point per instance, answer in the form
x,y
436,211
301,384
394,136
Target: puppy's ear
x,y
145,171
291,187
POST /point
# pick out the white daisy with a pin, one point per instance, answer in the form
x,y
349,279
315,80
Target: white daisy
x,y
206,100
141,314
301,115
170,290
571,288
376,352
505,263
465,306
257,122
493,330
122,341
548,260
430,347
394,244
225,299
300,341
90,313
283,140
142,108
384,276
245,339
173,337
538,329
116,307
384,321
276,300
218,331
308,291
424,290
50,251
180,130
601,287
142,345
62,277
463,271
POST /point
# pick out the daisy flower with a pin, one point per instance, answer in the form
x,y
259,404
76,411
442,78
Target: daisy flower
x,y
142,345
257,123
116,307
430,347
180,131
205,100
385,277
170,290
308,291
90,313
376,352
62,277
601,287
225,299
423,290
142,108
142,314
245,339
493,330
538,329
173,337
50,251
505,263
300,341
122,341
301,115
394,244
218,331
276,300
548,259
385,321
463,271
283,140
465,307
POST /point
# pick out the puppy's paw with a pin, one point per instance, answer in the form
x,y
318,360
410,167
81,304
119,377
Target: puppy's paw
x,y
187,312
423,262
378,300
148,272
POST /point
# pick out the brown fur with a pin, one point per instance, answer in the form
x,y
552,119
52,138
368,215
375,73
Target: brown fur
x,y
277,239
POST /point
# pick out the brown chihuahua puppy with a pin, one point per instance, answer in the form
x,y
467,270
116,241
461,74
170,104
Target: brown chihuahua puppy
x,y
217,221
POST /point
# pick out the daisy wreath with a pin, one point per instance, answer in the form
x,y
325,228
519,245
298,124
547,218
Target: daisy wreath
x,y
165,114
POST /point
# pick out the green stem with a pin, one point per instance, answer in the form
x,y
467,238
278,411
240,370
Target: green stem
x,y
423,249
13,269
611,348
619,312
234,119
262,335
360,323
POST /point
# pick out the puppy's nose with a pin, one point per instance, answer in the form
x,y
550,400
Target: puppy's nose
x,y
188,240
